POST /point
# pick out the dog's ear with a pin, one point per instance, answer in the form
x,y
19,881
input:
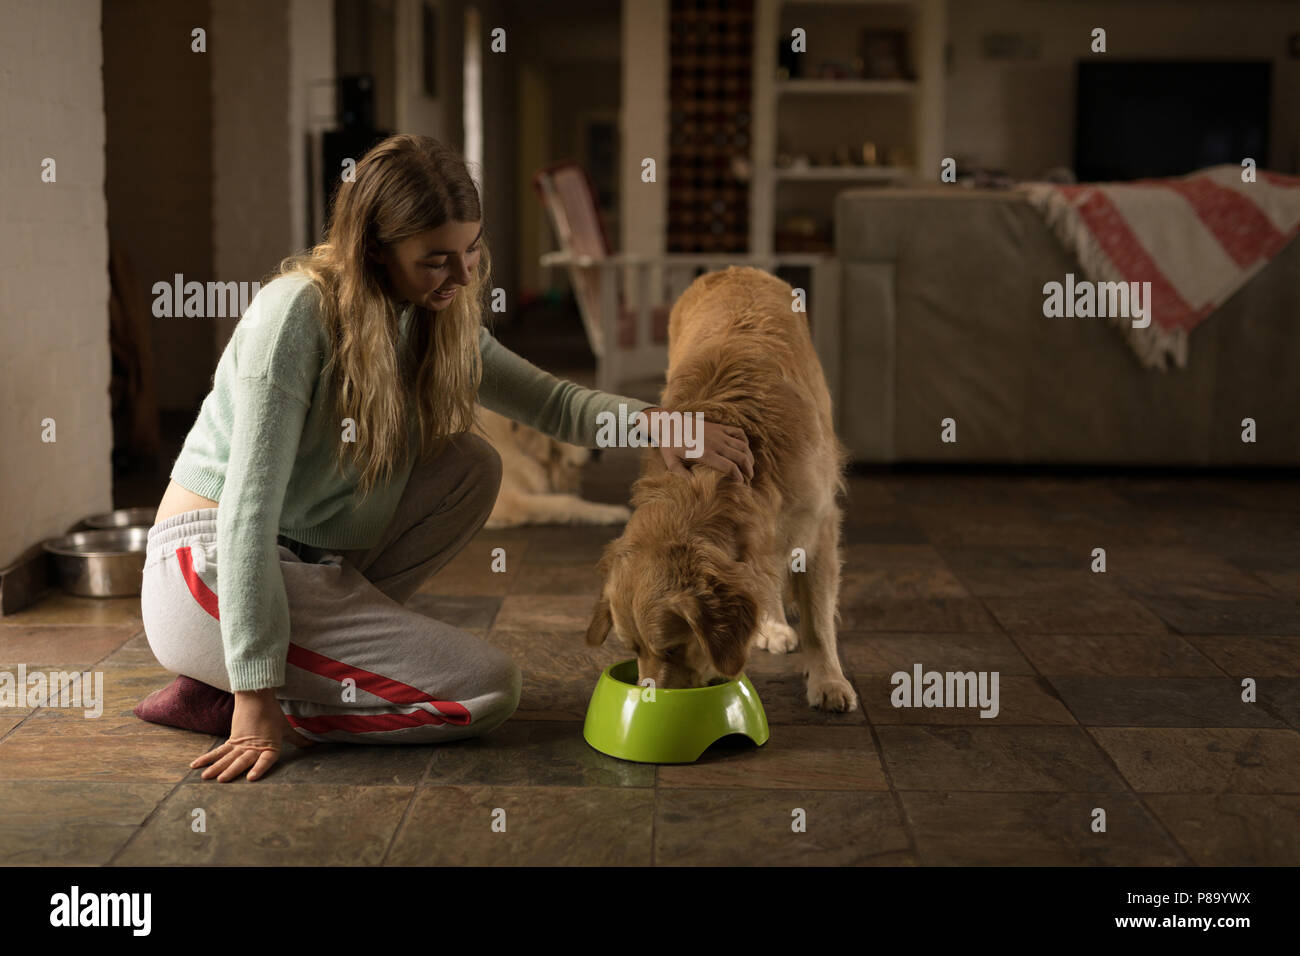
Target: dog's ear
x,y
601,622
725,620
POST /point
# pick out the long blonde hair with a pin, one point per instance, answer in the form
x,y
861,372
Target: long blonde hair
x,y
403,186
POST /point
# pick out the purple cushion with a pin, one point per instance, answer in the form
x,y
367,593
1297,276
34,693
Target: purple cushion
x,y
190,705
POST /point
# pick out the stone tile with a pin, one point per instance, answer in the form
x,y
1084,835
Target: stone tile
x,y
967,559
1035,829
870,557
1160,702
951,526
1047,615
1281,696
1085,534
865,587
471,571
465,582
544,826
558,578
71,823
252,824
1236,530
58,608
1263,656
559,671
917,614
558,655
1176,496
563,699
785,701
123,687
134,653
100,750
1233,829
386,765
1077,585
540,612
1182,573
63,645
880,531
867,493
995,758
953,489
1262,554
468,612
1286,583
568,544
1204,760
1029,572
1022,700
695,827
794,757
865,652
1116,655
1238,616
546,753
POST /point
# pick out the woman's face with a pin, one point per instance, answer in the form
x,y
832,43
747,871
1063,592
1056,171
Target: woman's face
x,y
441,259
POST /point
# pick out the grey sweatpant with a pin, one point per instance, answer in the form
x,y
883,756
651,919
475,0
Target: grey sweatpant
x,y
361,668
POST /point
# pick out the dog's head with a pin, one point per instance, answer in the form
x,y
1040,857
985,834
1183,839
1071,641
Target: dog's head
x,y
563,462
679,587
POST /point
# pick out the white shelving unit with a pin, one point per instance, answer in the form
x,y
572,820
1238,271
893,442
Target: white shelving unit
x,y
917,104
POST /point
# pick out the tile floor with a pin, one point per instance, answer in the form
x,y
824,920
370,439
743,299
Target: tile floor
x,y
1119,691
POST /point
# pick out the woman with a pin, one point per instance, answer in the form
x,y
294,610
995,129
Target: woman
x,y
337,440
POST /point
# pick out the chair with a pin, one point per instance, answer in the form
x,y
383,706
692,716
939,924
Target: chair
x,y
626,299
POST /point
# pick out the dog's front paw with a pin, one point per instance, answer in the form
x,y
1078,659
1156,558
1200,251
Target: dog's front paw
x,y
610,514
776,636
831,693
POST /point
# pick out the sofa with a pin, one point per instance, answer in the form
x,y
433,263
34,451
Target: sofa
x,y
940,316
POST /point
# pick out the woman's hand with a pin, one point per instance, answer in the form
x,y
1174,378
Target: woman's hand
x,y
256,729
723,447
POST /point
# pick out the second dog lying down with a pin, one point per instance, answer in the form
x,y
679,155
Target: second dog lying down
x,y
703,567
540,478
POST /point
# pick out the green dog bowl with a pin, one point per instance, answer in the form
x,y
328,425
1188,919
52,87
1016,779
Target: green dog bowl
x,y
676,726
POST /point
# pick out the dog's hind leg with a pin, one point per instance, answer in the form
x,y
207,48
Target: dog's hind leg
x,y
567,509
817,591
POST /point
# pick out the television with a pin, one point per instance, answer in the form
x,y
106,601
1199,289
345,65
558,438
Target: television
x,y
1135,120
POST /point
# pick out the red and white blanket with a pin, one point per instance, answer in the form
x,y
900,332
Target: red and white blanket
x,y
1197,239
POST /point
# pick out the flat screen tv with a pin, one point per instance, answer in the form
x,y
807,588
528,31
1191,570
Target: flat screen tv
x,y
1164,118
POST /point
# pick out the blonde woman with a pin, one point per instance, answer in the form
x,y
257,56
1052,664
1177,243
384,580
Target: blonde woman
x,y
332,470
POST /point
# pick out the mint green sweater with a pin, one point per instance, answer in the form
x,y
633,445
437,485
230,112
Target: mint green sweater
x,y
264,447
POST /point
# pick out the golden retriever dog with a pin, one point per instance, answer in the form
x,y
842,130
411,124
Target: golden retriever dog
x,y
540,478
703,569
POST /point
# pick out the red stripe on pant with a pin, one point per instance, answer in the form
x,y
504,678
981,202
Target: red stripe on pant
x,y
450,712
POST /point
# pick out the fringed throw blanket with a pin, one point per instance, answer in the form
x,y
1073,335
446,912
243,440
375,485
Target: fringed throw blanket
x,y
1196,239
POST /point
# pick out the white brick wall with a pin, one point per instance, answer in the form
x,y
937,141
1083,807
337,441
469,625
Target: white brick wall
x,y
54,358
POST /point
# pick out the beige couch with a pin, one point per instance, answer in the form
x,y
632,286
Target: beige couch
x,y
940,316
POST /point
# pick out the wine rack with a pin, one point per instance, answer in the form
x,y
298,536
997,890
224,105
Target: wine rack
x,y
710,103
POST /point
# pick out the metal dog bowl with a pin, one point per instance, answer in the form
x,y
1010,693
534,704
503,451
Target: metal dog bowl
x,y
100,563
123,518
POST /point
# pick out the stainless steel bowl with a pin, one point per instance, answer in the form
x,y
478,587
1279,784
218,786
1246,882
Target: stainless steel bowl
x,y
123,518
100,563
